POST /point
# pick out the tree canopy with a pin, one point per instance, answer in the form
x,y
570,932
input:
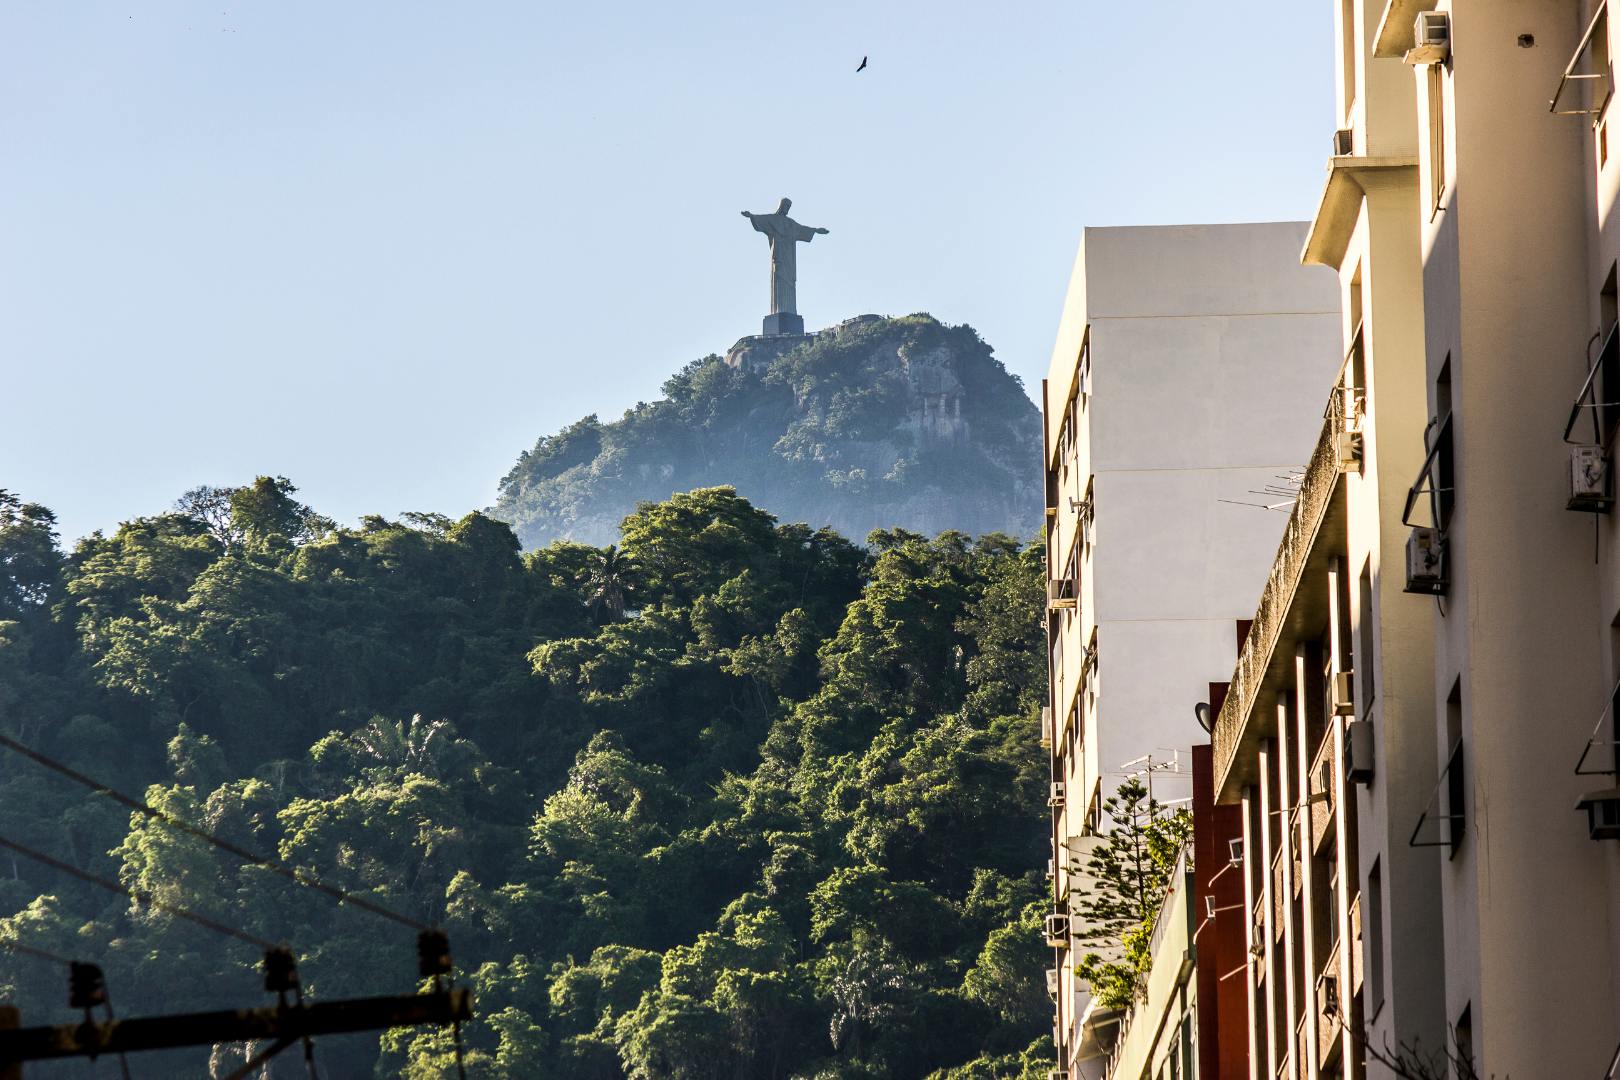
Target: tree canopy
x,y
728,798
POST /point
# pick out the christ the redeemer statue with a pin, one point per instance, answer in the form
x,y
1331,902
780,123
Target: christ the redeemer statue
x,y
785,235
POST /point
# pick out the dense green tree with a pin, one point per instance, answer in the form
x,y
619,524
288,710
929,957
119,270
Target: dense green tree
x,y
729,799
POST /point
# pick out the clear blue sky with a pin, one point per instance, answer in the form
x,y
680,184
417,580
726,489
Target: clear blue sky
x,y
380,247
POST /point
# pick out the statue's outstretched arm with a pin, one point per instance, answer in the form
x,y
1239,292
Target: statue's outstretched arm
x,y
748,214
821,232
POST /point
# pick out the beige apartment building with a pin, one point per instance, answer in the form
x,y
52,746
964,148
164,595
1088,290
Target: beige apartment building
x,y
1188,363
1515,276
1420,727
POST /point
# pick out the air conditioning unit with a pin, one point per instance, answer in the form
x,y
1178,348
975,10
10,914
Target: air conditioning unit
x,y
1057,796
1344,693
1234,853
1431,37
1347,450
1052,982
1327,996
1324,780
1057,930
1060,593
1602,813
1344,142
1589,480
1046,725
1358,749
1426,562
1051,868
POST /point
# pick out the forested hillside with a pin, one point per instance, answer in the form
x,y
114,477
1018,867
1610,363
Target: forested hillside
x,y
873,423
731,798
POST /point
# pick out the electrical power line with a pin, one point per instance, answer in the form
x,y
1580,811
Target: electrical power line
x,y
301,877
30,950
137,894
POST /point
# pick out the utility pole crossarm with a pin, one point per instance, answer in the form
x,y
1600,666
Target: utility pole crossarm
x,y
284,1023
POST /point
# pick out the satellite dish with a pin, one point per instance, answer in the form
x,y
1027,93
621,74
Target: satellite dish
x,y
1205,720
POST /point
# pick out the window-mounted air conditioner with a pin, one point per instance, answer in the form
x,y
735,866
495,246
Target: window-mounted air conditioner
x,y
1324,781
1344,694
1426,561
1344,142
1327,995
1057,796
1358,749
1046,724
1602,813
1234,853
1052,982
1431,38
1057,930
1347,450
1589,480
1060,593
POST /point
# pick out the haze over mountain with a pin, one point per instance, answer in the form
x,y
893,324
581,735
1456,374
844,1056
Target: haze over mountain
x,y
874,423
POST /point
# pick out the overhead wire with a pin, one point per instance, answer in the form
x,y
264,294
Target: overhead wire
x,y
30,950
301,877
136,894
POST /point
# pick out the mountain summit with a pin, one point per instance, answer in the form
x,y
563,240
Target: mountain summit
x,y
873,423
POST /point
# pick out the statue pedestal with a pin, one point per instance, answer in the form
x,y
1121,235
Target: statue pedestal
x,y
783,322
756,353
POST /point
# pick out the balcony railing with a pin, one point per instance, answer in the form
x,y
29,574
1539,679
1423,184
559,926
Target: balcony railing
x,y
1322,477
1604,371
1594,46
1455,816
1594,742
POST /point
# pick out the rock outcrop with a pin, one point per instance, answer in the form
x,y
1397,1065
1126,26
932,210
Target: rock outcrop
x,y
873,423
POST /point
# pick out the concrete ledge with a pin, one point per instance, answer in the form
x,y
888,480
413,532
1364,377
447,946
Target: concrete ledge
x,y
1395,27
1347,182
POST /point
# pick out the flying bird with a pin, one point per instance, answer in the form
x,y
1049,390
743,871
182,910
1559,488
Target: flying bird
x,y
862,67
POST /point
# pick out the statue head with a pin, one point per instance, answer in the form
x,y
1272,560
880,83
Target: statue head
x,y
784,206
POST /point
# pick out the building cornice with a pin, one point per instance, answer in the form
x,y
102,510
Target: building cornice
x,y
1349,179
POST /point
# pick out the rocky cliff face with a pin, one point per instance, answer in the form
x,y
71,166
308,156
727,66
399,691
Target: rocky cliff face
x,y
874,423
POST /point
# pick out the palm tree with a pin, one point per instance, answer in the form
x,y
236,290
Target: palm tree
x,y
392,747
611,576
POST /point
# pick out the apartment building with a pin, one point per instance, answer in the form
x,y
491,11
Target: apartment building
x,y
1178,407
1513,270
1326,733
1419,729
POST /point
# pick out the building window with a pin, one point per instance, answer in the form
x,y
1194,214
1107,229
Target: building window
x,y
1608,389
1374,930
1463,1037
1456,788
1364,639
1444,478
1437,134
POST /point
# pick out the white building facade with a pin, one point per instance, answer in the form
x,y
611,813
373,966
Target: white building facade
x,y
1184,394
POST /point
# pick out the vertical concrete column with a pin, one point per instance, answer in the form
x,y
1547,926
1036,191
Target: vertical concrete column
x,y
1300,827
1343,849
1269,910
1251,844
1286,826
